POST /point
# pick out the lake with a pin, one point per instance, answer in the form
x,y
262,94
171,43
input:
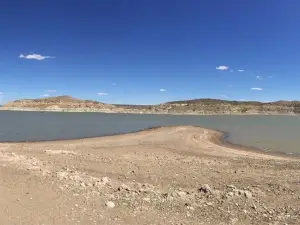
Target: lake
x,y
271,133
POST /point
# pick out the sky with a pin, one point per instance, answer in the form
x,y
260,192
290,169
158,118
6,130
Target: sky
x,y
149,52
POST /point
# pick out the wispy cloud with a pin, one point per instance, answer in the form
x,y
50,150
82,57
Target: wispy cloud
x,y
51,91
224,96
35,56
102,94
162,90
114,84
222,67
1,96
45,95
241,70
242,99
256,89
258,78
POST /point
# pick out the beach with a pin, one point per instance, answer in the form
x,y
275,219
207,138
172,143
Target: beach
x,y
166,175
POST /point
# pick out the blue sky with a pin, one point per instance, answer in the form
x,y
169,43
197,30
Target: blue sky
x,y
129,51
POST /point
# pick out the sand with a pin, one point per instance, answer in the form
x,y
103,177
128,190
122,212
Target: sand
x,y
168,175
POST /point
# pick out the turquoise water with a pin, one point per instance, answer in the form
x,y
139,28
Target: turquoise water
x,y
271,133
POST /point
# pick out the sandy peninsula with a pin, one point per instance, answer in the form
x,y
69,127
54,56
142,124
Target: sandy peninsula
x,y
168,175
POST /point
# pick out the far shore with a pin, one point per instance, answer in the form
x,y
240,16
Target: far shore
x,y
136,111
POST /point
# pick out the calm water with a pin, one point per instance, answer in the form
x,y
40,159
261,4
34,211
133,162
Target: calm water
x,y
273,133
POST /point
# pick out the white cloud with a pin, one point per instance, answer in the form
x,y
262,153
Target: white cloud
x,y
1,93
102,94
113,84
257,89
35,56
45,95
258,78
51,91
162,90
242,99
222,67
241,70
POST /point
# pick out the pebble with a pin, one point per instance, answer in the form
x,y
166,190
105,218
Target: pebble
x,y
248,194
110,204
191,208
181,194
230,194
124,187
105,180
205,188
146,199
231,186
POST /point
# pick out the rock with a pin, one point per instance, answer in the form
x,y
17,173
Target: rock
x,y
146,199
230,194
110,204
168,197
181,194
231,186
105,180
190,208
124,187
248,194
205,189
145,187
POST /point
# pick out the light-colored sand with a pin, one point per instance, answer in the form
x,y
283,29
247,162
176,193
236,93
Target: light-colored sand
x,y
170,175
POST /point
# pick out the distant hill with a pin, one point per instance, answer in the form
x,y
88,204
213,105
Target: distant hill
x,y
218,106
59,102
194,106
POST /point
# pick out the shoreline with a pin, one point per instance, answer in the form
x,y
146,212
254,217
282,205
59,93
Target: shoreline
x,y
90,110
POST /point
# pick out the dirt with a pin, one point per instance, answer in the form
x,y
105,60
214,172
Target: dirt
x,y
169,175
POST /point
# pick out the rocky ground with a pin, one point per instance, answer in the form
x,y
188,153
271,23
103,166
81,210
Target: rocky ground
x,y
172,175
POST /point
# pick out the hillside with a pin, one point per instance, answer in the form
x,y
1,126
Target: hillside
x,y
217,106
59,102
194,106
